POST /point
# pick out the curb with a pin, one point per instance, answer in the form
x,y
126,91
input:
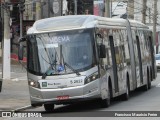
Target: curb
x,y
15,57
22,108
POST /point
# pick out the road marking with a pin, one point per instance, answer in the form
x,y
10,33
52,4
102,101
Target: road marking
x,y
22,108
25,108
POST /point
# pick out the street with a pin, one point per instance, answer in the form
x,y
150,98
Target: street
x,y
139,101
73,50
15,95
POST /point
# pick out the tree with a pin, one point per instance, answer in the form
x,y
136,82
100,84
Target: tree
x,y
130,9
80,7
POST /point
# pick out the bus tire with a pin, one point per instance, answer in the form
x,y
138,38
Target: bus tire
x,y
106,102
126,95
36,105
146,87
151,78
49,107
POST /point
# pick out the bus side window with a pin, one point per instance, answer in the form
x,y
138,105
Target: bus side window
x,y
118,51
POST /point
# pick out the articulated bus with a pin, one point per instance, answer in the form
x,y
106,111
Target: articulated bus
x,y
86,57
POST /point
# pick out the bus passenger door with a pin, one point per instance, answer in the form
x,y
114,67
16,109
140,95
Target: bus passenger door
x,y
115,72
139,59
152,52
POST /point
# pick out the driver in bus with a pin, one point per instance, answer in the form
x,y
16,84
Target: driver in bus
x,y
85,58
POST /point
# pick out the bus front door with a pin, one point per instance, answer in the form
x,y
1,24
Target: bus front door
x,y
115,71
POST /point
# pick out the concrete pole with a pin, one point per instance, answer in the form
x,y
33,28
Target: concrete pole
x,y
149,9
1,42
144,11
154,25
48,4
38,10
6,69
62,1
21,24
75,7
111,9
130,9
107,8
2,20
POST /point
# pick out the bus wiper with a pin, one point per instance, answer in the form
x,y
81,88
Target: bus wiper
x,y
51,68
77,73
45,74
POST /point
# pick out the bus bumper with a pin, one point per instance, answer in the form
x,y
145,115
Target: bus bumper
x,y
65,95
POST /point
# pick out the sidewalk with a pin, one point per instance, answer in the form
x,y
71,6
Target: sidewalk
x,y
15,93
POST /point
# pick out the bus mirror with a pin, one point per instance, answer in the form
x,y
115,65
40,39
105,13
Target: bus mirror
x,y
20,52
99,35
22,39
21,48
102,51
106,67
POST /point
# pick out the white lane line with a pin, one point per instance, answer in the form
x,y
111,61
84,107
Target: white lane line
x,y
22,108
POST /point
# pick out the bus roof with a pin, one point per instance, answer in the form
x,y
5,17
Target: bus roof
x,y
76,22
138,24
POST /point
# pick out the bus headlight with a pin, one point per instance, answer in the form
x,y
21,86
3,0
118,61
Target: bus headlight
x,y
33,83
92,78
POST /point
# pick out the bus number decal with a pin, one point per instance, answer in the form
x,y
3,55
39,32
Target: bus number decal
x,y
75,81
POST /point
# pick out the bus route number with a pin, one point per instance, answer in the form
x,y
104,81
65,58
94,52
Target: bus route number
x,y
75,81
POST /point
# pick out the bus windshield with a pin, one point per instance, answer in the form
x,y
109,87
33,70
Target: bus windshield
x,y
60,52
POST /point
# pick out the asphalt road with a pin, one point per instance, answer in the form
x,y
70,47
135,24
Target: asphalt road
x,y
139,101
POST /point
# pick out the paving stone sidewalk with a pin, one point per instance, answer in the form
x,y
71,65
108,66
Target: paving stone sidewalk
x,y
15,93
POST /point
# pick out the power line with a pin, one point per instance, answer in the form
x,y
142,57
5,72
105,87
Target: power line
x,y
140,10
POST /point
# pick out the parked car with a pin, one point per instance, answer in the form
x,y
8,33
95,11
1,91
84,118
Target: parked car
x,y
157,61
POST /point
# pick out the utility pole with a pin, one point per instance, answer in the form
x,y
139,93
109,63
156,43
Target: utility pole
x,y
111,9
21,24
154,25
144,11
75,7
149,9
107,8
130,9
38,10
6,69
48,5
2,27
21,10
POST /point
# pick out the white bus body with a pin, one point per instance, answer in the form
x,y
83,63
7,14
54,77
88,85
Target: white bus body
x,y
118,55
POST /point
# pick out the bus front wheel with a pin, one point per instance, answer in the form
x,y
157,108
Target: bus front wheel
x,y
148,84
125,96
49,107
106,102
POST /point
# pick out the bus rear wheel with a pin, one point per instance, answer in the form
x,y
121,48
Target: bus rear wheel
x,y
126,95
49,107
151,78
36,105
148,84
106,102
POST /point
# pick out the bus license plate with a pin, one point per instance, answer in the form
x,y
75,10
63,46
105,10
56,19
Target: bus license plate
x,y
65,97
